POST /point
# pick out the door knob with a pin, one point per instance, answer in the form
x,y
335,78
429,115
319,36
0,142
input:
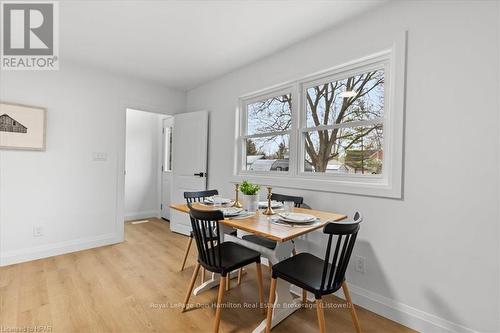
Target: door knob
x,y
200,174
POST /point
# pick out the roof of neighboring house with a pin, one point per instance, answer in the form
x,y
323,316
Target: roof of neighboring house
x,y
253,158
262,165
335,165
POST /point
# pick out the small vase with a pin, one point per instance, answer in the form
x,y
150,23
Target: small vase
x,y
250,202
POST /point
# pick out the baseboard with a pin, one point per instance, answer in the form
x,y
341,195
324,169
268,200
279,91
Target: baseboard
x,y
404,314
401,313
141,215
44,251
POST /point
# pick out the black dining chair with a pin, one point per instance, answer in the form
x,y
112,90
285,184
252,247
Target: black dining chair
x,y
192,197
217,257
321,276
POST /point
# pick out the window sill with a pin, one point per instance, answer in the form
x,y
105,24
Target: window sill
x,y
371,186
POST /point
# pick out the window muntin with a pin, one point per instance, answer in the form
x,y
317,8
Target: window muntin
x,y
266,139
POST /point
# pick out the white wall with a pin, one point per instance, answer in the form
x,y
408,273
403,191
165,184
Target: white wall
x,y
433,257
77,201
143,164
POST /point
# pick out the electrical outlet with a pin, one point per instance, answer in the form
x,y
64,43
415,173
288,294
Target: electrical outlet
x,y
360,264
37,231
99,157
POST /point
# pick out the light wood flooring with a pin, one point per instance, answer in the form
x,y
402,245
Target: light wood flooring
x,y
136,286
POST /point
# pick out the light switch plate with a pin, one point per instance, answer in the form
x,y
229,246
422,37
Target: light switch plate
x,y
37,231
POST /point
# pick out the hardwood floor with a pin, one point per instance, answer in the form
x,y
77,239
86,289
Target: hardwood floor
x,y
136,286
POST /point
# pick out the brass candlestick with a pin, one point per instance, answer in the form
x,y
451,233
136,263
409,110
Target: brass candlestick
x,y
269,210
237,202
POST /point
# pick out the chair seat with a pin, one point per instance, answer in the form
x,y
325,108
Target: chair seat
x,y
303,270
262,241
233,256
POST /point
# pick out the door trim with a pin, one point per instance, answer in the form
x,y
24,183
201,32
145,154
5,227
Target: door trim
x,y
120,164
166,122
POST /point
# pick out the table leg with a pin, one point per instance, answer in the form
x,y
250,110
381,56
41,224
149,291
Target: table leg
x,y
284,305
212,282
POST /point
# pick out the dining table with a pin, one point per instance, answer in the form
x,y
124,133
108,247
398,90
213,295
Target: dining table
x,y
267,226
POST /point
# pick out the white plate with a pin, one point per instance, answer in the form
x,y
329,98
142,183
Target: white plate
x,y
224,201
274,204
296,222
243,215
297,217
278,221
231,211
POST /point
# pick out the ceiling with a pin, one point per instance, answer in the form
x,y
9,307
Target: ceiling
x,y
183,44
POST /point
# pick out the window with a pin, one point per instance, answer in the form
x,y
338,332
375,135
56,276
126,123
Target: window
x,y
338,131
266,137
343,130
167,145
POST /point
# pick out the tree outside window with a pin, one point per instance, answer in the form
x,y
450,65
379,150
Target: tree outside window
x,y
352,111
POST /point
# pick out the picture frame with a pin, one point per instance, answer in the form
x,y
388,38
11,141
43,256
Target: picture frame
x,y
22,127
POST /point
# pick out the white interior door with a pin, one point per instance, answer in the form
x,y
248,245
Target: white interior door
x,y
189,162
166,171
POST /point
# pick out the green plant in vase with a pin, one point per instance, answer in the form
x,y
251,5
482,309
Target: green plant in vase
x,y
250,195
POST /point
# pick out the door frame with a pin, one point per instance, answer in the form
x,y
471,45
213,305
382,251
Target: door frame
x,y
120,158
163,172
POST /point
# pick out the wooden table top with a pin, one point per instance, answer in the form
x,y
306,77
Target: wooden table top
x,y
261,225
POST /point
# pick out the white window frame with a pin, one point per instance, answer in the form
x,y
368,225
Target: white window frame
x,y
389,183
381,62
255,98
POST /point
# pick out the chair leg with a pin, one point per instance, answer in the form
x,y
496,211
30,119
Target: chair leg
x,y
240,273
191,285
294,252
261,287
187,253
228,281
351,307
304,296
219,301
270,305
202,275
321,315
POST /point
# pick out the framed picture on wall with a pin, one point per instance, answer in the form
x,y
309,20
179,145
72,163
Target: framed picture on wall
x,y
22,127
